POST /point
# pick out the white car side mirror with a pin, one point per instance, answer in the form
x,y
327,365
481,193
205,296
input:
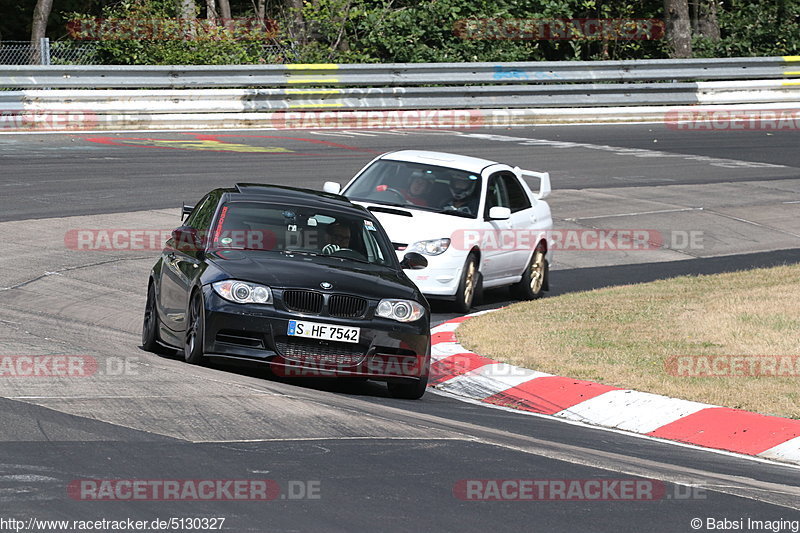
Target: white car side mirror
x,y
332,187
499,213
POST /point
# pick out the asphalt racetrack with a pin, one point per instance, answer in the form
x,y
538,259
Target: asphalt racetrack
x,y
346,457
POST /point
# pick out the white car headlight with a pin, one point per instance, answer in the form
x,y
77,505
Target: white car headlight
x,y
243,292
400,310
432,247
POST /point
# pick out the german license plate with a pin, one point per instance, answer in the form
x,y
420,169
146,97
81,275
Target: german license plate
x,y
328,332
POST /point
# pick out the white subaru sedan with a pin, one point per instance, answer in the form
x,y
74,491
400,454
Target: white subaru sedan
x,y
477,221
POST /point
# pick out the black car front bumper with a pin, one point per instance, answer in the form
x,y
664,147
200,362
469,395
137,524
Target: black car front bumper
x,y
387,349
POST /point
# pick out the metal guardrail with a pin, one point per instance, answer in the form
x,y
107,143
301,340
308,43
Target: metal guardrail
x,y
398,74
391,95
265,100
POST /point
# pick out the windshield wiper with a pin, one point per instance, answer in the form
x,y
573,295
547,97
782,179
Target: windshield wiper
x,y
370,200
365,261
303,252
239,249
315,254
455,213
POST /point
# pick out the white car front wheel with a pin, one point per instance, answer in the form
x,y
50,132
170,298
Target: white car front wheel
x,y
469,287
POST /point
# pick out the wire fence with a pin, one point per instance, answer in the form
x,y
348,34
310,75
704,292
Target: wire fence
x,y
49,53
69,52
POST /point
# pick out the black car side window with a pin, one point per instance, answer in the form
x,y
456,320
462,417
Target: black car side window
x,y
192,218
201,216
517,198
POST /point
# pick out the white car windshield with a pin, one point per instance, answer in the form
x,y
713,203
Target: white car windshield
x,y
418,186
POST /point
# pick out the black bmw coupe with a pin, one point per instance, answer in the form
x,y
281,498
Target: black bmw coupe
x,y
303,281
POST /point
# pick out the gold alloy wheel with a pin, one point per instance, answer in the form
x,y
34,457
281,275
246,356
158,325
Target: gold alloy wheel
x,y
469,283
537,272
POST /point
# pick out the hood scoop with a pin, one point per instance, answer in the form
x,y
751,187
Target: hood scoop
x,y
391,211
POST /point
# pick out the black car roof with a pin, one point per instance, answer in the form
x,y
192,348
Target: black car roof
x,y
294,195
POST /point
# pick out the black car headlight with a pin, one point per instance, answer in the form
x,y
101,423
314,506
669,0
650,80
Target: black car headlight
x,y
432,247
243,292
400,310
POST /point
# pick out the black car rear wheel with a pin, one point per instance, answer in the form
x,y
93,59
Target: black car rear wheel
x,y
408,390
150,340
195,328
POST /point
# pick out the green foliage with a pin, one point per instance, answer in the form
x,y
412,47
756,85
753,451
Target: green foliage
x,y
433,30
765,28
364,31
174,42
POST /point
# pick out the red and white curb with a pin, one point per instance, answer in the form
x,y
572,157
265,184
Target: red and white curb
x,y
457,371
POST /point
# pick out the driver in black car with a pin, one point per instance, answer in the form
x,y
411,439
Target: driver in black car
x,y
337,236
464,197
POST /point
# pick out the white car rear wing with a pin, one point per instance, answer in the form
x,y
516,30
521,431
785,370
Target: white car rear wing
x,y
544,181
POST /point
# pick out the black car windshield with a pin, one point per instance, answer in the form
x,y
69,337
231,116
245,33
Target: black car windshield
x,y
419,186
299,230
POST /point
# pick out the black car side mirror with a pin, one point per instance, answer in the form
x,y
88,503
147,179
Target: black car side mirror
x,y
187,239
413,261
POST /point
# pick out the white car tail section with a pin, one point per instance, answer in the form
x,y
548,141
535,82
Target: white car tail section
x,y
544,181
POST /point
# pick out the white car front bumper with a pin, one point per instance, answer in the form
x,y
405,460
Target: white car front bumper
x,y
440,278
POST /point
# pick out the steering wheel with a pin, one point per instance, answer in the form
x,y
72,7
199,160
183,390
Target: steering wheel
x,y
466,209
397,193
348,253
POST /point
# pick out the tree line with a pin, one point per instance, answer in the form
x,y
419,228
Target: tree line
x,y
347,31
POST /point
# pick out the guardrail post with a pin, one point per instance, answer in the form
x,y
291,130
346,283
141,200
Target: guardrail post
x,y
44,51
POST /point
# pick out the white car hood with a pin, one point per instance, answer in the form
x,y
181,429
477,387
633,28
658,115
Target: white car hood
x,y
421,226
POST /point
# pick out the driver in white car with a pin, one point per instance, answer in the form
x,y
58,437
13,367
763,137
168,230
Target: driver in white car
x,y
464,195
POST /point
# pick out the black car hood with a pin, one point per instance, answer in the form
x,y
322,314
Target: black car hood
x,y
280,270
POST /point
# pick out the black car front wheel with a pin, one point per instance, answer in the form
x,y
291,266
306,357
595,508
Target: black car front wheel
x,y
195,328
408,390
